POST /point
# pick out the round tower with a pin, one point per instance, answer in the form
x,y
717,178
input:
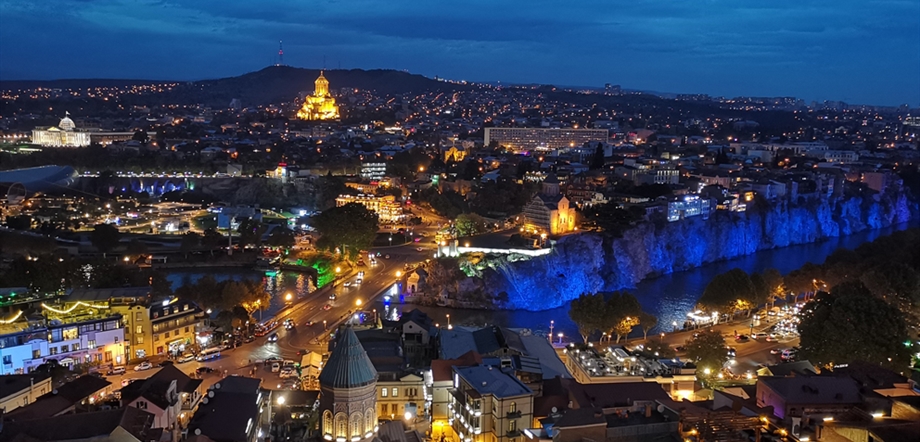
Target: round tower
x,y
348,392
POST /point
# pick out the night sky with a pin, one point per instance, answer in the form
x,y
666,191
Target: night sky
x,y
852,50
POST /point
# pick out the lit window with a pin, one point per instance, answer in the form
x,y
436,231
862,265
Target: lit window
x,y
395,392
383,392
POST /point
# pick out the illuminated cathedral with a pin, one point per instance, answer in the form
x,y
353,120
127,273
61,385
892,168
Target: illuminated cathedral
x,y
320,105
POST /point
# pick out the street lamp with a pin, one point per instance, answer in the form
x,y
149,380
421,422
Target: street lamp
x,y
551,324
398,274
324,325
288,297
560,337
449,327
280,400
662,337
375,316
358,302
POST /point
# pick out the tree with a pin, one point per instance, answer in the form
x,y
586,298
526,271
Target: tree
x,y
587,312
648,321
251,232
21,222
849,324
774,283
896,282
597,161
621,312
444,276
104,237
190,242
468,224
707,350
211,240
803,280
136,247
351,226
729,292
281,237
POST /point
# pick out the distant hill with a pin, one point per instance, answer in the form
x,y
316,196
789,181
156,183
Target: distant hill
x,y
273,84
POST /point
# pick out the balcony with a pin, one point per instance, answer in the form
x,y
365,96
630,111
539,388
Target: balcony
x,y
513,414
513,433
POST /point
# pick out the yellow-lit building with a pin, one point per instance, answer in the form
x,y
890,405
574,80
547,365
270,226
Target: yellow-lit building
x,y
320,105
386,207
549,211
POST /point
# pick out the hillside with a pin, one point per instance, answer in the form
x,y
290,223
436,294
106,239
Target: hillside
x,y
273,84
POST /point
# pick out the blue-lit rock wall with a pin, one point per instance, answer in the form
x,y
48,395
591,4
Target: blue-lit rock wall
x,y
590,262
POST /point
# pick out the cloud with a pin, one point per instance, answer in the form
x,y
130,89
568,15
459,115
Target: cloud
x,y
832,49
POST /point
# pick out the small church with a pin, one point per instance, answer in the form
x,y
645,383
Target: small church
x,y
549,211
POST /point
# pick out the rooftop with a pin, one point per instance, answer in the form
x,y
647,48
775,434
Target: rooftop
x,y
813,389
61,399
83,426
491,380
348,365
229,413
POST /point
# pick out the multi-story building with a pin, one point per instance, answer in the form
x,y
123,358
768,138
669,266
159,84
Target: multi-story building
x,y
489,404
689,206
68,336
549,211
386,207
374,170
614,365
170,395
152,327
531,138
62,135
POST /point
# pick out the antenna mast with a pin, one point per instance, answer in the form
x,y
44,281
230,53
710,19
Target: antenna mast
x,y
280,53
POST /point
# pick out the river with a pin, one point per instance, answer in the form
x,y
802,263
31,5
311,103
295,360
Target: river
x,y
669,297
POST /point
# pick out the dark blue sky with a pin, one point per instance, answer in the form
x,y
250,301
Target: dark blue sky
x,y
858,51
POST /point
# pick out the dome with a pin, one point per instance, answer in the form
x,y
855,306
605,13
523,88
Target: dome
x,y
348,365
67,124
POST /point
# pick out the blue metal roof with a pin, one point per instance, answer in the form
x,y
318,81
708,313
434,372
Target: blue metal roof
x,y
348,365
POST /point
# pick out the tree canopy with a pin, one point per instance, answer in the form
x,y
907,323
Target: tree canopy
x,y
849,324
730,292
105,237
707,350
588,313
351,226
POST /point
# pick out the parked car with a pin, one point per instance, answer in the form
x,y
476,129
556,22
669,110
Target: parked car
x,y
759,335
188,357
276,367
116,371
742,338
203,370
143,366
346,284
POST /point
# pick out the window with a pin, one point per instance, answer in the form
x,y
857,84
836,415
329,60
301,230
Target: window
x,y
8,360
52,350
75,346
512,425
383,392
69,333
156,337
175,332
141,404
139,329
383,409
138,317
140,339
186,329
327,422
513,407
395,392
91,344
341,425
36,354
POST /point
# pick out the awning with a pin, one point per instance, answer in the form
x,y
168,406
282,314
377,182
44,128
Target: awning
x,y
67,360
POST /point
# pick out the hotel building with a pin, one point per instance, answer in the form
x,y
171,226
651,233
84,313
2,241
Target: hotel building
x,y
538,139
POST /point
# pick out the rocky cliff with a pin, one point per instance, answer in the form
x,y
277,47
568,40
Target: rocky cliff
x,y
591,262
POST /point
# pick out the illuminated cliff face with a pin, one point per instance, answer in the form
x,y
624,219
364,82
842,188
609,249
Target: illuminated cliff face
x,y
320,105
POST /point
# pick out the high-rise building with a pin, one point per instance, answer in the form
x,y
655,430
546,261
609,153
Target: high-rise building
x,y
539,139
320,105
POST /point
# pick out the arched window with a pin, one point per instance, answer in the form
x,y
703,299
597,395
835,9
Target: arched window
x,y
369,420
341,425
356,423
327,422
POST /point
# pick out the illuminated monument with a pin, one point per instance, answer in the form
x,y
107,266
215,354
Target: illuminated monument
x,y
320,105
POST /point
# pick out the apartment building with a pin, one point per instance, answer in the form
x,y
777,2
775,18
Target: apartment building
x,y
489,404
152,327
542,139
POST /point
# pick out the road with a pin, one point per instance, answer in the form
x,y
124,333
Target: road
x,y
379,280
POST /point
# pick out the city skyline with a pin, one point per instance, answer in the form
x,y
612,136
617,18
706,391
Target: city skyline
x,y
861,54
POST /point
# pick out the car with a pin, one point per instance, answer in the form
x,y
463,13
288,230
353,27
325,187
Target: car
x,y
386,256
358,281
742,338
759,335
419,249
276,367
327,307
731,351
347,284
309,324
289,326
273,359
249,339
188,357
273,337
361,263
116,371
203,370
776,351
332,297
143,366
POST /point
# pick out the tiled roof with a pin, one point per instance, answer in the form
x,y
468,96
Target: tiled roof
x,y
348,365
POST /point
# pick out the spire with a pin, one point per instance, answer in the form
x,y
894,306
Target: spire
x,y
348,365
